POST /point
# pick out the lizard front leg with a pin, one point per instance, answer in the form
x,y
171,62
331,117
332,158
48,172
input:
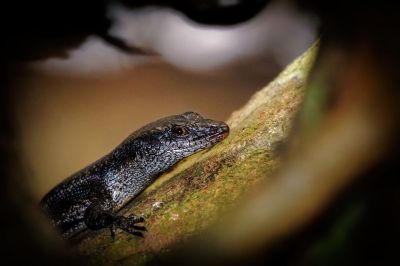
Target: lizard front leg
x,y
97,217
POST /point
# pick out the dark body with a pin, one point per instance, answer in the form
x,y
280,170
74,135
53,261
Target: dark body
x,y
91,197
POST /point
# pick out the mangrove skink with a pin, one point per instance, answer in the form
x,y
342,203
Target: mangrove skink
x,y
92,197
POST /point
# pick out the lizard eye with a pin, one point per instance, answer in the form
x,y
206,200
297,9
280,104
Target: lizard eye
x,y
180,131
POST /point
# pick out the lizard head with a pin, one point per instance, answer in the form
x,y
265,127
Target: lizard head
x,y
173,138
190,132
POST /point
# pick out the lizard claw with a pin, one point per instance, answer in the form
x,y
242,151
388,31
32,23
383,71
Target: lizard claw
x,y
112,231
128,224
135,232
136,219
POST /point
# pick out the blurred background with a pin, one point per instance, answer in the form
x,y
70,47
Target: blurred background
x,y
73,88
71,110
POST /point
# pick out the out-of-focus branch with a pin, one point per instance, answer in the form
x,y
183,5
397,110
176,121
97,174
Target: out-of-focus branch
x,y
352,136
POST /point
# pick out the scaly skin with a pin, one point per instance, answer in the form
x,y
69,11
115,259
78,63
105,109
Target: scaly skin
x,y
91,197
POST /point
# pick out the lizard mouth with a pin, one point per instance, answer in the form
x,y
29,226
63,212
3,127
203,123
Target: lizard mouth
x,y
221,132
216,133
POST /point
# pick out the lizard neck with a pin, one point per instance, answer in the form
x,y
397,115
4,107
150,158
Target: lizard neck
x,y
132,167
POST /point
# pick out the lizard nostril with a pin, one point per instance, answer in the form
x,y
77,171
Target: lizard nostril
x,y
221,127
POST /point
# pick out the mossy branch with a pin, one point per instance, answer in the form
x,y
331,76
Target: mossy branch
x,y
191,197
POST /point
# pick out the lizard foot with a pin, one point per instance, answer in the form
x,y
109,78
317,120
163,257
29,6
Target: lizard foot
x,y
128,224
96,218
